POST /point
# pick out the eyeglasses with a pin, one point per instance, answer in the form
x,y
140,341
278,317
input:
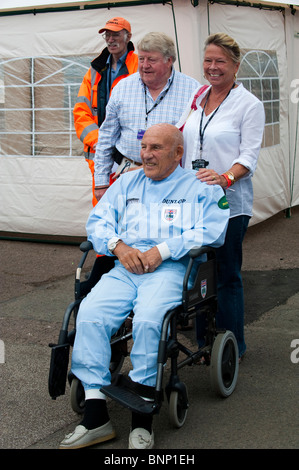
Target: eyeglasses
x,y
108,35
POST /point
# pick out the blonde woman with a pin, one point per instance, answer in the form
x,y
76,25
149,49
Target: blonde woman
x,y
223,127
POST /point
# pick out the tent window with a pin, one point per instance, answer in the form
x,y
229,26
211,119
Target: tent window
x,y
37,96
259,74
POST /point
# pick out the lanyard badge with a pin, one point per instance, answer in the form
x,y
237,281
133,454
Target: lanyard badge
x,y
140,134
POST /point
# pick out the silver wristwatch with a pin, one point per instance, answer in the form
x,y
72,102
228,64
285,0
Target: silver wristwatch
x,y
112,243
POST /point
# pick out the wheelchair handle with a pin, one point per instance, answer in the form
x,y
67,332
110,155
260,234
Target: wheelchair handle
x,y
86,246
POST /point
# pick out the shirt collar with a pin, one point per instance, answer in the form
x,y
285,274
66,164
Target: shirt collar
x,y
121,60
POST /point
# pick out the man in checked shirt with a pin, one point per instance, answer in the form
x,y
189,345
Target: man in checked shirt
x,y
156,93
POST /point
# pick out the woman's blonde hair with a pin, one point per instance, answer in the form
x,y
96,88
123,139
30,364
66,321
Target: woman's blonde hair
x,y
228,44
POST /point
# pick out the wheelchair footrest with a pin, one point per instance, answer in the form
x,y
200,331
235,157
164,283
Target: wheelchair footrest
x,y
58,370
127,397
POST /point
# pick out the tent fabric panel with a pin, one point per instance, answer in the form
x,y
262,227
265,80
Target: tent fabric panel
x,y
76,32
45,195
270,183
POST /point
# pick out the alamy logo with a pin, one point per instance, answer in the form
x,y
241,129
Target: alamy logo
x,y
295,353
295,92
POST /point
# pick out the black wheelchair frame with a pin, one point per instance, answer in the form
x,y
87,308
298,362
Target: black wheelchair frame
x,y
220,351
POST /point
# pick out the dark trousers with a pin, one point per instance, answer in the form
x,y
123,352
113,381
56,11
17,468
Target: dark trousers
x,y
230,313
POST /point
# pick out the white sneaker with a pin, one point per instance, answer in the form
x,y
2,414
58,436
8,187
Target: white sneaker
x,y
83,437
141,439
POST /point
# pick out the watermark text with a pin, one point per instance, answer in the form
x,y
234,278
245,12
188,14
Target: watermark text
x,y
295,92
295,352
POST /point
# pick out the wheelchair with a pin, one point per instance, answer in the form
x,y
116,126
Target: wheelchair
x,y
219,353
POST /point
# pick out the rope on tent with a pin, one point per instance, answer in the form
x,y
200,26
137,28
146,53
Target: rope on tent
x,y
237,3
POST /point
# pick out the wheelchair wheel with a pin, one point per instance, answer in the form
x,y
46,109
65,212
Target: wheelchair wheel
x,y
224,365
177,410
77,396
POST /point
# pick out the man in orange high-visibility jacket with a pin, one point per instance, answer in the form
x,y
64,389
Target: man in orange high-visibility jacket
x,y
116,61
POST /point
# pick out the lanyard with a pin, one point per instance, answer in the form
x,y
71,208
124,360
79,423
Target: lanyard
x,y
147,112
202,131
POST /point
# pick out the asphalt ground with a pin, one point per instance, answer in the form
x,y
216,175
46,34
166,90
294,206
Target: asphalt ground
x,y
37,283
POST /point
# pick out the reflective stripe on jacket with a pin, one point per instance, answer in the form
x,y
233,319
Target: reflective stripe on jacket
x,y
89,110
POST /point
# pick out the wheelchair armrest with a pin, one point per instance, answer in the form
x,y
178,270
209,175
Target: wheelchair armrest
x,y
200,250
207,269
86,246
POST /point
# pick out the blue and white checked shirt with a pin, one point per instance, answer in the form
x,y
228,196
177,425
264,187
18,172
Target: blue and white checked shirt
x,y
126,114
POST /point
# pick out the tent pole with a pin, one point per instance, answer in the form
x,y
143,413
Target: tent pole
x,y
176,36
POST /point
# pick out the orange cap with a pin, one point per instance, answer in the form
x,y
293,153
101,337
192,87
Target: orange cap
x,y
116,24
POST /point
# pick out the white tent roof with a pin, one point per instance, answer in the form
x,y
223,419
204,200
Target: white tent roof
x,y
23,4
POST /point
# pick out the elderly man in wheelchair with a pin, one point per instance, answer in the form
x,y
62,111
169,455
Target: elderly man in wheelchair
x,y
149,219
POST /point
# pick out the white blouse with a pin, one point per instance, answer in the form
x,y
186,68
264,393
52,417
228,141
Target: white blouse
x,y
233,135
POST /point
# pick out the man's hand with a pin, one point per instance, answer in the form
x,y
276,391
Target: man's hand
x,y
129,257
151,259
137,262
99,193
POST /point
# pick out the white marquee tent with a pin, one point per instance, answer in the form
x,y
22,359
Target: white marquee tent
x,y
45,49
